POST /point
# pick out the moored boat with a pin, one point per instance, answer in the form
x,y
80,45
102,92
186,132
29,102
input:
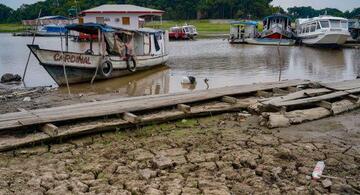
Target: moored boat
x,y
326,31
183,32
277,26
121,52
354,29
240,31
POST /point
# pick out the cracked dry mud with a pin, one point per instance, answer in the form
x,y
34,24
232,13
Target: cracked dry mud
x,y
215,155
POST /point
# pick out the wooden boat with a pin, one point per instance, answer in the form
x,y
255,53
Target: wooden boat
x,y
242,30
116,57
325,31
277,26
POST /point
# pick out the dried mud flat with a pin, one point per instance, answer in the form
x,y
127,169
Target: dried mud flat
x,y
225,154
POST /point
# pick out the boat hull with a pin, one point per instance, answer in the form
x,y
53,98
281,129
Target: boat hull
x,y
266,41
327,39
82,67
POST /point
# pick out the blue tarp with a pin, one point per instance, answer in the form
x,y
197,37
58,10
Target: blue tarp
x,y
90,28
249,23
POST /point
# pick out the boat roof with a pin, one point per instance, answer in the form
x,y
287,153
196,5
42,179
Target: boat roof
x,y
122,9
325,17
92,28
249,23
278,15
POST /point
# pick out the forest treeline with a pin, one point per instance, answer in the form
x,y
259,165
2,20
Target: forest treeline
x,y
175,9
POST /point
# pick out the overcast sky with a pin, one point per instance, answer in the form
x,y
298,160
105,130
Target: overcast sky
x,y
318,4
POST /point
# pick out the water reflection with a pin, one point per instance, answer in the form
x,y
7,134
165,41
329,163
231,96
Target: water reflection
x,y
151,82
223,64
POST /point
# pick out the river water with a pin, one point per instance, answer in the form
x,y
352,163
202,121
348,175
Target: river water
x,y
215,59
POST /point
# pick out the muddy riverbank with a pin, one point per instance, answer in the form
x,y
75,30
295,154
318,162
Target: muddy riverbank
x,y
226,154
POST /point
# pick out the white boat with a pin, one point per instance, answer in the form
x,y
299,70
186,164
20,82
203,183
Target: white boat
x,y
122,52
327,31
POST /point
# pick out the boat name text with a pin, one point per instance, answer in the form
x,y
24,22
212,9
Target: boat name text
x,y
68,58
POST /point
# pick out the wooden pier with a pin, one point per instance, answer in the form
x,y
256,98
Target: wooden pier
x,y
279,103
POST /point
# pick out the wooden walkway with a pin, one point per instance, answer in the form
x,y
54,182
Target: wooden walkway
x,y
125,105
292,102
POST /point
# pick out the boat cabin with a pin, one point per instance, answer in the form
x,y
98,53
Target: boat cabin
x,y
277,26
241,30
354,28
280,20
321,24
122,42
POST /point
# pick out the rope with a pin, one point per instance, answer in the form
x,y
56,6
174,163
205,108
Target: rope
x,y
62,53
33,41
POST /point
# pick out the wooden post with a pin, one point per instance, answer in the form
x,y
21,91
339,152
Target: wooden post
x,y
50,129
183,107
229,100
132,118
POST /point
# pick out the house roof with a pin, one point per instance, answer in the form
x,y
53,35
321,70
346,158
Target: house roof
x,y
53,18
122,9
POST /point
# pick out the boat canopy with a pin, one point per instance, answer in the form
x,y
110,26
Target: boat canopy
x,y
90,28
247,23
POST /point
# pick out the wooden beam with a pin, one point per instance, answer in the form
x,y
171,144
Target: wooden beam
x,y
131,118
280,91
311,100
229,100
184,108
50,129
325,104
264,94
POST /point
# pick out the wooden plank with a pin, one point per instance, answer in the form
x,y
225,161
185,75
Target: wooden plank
x,y
311,100
229,100
50,129
343,85
352,91
132,118
122,105
296,95
98,127
184,108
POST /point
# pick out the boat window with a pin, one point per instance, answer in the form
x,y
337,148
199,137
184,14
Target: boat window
x,y
313,27
324,24
335,23
317,26
303,29
344,24
307,28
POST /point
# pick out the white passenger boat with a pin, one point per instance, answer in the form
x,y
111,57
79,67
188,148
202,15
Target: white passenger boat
x,y
121,52
327,31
